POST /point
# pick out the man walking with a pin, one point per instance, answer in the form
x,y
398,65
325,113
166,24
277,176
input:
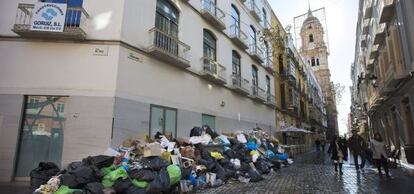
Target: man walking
x,y
318,144
357,146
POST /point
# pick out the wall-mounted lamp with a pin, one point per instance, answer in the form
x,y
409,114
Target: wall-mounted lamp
x,y
373,80
222,104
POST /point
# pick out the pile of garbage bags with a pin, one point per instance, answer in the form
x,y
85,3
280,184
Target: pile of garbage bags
x,y
165,165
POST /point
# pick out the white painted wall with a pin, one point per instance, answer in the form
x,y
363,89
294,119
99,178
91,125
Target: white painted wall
x,y
57,68
156,82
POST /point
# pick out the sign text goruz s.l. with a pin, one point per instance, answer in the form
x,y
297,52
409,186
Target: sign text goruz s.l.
x,y
48,17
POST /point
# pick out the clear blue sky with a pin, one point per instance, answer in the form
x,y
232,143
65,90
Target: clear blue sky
x,y
341,16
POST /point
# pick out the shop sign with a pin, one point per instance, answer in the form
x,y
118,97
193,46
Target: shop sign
x,y
49,17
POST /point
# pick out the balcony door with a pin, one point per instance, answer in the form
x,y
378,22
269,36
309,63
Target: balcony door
x,y
235,20
164,120
210,5
166,21
41,132
73,16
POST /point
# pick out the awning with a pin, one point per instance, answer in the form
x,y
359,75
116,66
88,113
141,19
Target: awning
x,y
294,129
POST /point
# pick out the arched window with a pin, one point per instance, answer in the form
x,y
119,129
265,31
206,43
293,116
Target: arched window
x,y
167,17
235,20
317,62
267,51
252,38
313,62
209,45
255,80
236,65
265,18
310,37
268,84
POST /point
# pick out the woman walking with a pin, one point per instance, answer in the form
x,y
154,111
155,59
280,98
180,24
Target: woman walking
x,y
338,151
379,153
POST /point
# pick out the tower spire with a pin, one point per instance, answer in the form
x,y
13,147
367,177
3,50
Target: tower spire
x,y
309,9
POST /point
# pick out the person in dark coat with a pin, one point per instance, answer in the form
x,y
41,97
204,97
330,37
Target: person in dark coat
x,y
358,146
318,144
339,153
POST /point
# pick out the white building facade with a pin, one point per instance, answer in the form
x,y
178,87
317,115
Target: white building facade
x,y
128,68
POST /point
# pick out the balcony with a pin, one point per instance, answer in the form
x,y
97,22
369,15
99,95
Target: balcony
x,y
363,41
168,48
268,65
254,10
365,26
238,37
258,94
266,26
270,100
293,101
75,27
213,71
290,53
386,11
380,34
240,85
212,14
374,52
256,52
368,9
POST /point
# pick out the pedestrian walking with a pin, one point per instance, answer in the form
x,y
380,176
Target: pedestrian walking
x,y
358,147
379,154
318,144
338,150
323,144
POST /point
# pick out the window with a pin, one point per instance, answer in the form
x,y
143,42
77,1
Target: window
x,y
164,120
41,133
208,120
313,61
252,38
60,107
255,80
210,5
209,45
310,27
310,37
267,51
167,17
265,18
317,62
235,20
268,85
236,64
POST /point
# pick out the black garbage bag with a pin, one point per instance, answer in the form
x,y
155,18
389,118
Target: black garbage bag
x,y
254,175
94,188
100,161
211,132
122,185
73,166
154,162
142,174
196,131
42,174
262,166
82,175
69,180
158,135
230,154
161,183
233,141
185,173
276,163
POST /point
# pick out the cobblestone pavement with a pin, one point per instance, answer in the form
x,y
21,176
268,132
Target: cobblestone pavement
x,y
313,173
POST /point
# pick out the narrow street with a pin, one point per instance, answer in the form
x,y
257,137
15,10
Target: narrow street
x,y
313,173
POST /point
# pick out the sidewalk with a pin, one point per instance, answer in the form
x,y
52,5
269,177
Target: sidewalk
x,y
313,173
